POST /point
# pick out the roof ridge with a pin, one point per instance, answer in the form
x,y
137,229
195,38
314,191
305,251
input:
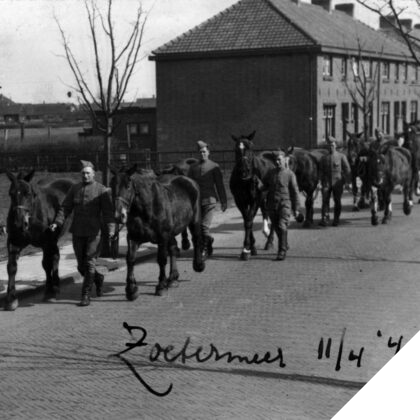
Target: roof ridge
x,y
200,25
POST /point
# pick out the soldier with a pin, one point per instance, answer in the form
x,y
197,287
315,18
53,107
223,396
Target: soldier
x,y
209,177
91,204
335,172
282,200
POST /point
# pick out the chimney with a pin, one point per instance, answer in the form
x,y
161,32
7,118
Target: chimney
x,y
347,8
417,26
298,2
325,4
386,23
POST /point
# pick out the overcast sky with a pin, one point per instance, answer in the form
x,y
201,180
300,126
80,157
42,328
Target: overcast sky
x,y
32,68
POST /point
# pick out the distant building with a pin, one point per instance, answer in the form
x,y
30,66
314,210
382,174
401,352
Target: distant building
x,y
278,67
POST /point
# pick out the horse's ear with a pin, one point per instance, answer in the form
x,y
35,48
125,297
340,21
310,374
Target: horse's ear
x,y
252,135
289,150
11,176
234,138
29,176
132,170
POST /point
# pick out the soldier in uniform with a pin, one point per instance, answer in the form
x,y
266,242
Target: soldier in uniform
x,y
335,173
282,199
209,177
91,205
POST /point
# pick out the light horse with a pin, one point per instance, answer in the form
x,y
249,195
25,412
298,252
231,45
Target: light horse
x,y
246,175
32,210
157,210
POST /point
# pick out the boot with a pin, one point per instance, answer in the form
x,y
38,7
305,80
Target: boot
x,y
336,220
283,245
86,289
210,241
99,282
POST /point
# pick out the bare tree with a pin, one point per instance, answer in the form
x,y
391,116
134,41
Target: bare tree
x,y
363,86
103,98
391,11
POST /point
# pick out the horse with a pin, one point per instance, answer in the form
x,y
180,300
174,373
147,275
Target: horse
x,y
387,167
156,210
33,207
247,173
411,134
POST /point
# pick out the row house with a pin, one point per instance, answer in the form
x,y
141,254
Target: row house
x,y
288,70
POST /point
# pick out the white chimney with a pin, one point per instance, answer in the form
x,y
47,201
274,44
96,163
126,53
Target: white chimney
x,y
325,4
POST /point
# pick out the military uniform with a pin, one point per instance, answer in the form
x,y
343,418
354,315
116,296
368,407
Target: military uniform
x,y
209,178
335,172
91,205
282,200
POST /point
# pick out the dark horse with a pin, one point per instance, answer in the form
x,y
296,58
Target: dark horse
x,y
305,165
32,209
387,167
246,175
157,210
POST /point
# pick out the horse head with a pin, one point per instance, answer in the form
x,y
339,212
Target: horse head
x,y
244,155
354,145
22,197
123,192
374,164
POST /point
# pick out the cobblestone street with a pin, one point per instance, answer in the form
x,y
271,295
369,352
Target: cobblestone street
x,y
349,293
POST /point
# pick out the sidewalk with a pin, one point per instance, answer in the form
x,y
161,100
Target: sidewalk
x,y
30,277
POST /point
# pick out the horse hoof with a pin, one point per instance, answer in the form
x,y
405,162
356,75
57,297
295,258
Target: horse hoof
x,y
254,251
307,224
406,208
174,284
268,246
374,221
245,256
161,291
12,305
355,208
385,221
132,295
199,267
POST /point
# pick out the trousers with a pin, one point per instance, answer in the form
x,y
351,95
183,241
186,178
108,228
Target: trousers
x,y
86,249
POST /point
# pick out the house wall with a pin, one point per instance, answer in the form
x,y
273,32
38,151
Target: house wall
x,y
333,91
212,98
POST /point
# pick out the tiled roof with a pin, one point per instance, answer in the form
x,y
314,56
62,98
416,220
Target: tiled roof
x,y
251,25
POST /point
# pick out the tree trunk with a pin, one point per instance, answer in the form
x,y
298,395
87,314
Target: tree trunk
x,y
106,173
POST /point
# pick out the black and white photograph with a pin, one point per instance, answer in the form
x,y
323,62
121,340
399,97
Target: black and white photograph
x,y
209,209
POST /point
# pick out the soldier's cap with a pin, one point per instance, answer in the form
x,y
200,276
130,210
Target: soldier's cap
x,y
201,144
278,153
331,139
87,164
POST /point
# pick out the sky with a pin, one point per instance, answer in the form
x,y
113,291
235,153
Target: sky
x,y
32,67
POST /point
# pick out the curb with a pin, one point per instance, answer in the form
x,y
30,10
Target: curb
x,y
29,290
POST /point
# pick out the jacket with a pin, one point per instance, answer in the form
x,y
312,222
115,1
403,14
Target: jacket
x,y
282,189
91,205
209,178
334,167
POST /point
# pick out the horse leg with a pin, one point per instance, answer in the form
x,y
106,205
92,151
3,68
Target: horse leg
x,y
50,261
268,230
198,261
246,251
11,302
131,289
337,194
408,198
355,191
185,241
325,208
162,257
173,268
388,207
374,206
309,209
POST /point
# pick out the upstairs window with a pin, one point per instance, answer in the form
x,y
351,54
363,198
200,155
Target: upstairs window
x,y
397,72
327,66
405,72
385,70
413,111
133,129
343,69
144,128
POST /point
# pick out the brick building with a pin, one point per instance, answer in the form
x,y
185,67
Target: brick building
x,y
278,67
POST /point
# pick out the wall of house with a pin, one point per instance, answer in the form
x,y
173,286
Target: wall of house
x,y
211,99
333,91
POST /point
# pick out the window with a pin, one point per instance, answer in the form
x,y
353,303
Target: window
x,y
329,121
327,66
367,69
385,70
397,117
133,129
355,117
355,67
404,110
397,72
343,69
144,128
345,118
405,72
385,117
413,111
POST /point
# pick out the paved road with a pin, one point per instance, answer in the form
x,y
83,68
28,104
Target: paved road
x,y
350,292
